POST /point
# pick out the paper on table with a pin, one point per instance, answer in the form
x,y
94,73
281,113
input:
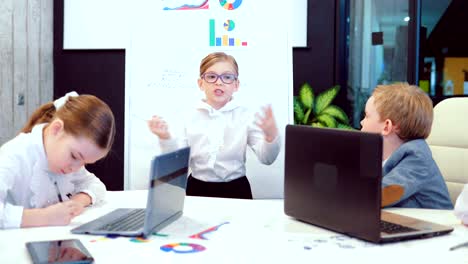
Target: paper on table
x,y
341,247
185,227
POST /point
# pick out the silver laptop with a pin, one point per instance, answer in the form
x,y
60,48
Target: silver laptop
x,y
166,196
333,180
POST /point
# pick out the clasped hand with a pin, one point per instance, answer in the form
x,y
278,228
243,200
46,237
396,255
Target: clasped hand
x,y
62,213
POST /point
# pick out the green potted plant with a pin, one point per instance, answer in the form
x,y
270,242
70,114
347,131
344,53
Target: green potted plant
x,y
317,111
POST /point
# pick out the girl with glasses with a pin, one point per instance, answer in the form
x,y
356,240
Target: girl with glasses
x,y
219,131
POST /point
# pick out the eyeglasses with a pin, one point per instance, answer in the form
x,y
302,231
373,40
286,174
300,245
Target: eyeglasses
x,y
226,78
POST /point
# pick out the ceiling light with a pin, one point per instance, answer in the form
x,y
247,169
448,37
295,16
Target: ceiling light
x,y
406,19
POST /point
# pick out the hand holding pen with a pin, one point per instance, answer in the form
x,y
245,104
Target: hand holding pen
x,y
59,194
62,213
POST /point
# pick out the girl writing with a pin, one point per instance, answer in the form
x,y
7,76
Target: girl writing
x,y
43,180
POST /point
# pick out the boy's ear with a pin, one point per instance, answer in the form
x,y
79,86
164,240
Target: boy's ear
x,y
388,128
56,127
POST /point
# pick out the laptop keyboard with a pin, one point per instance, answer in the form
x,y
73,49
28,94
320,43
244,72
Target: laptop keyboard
x,y
392,228
132,221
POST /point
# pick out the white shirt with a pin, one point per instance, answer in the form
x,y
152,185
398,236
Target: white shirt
x,y
219,139
461,205
26,182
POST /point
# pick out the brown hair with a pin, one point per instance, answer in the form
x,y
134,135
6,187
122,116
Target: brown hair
x,y
216,57
407,106
84,115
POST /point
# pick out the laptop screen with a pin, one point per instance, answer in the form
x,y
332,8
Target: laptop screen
x,y
333,178
167,186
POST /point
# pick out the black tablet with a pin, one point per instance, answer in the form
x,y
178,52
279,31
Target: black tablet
x,y
58,251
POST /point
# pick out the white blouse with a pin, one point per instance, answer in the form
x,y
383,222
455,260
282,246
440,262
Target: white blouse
x,y
461,205
26,182
219,140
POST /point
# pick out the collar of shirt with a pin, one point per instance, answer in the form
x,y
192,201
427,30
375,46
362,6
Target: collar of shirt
x,y
231,105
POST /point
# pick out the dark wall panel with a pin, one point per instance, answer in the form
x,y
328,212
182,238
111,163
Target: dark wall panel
x,y
315,64
97,72
323,63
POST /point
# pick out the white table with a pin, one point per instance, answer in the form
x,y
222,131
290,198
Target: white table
x,y
250,231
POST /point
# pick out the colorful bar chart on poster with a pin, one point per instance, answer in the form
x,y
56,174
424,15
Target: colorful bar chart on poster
x,y
224,39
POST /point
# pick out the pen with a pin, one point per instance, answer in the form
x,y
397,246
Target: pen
x,y
58,192
459,246
59,245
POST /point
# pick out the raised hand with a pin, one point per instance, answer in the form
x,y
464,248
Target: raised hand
x,y
159,127
267,123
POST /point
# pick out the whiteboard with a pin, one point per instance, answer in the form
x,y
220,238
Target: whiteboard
x,y
163,59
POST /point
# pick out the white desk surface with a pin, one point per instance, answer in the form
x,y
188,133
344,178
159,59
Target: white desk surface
x,y
250,231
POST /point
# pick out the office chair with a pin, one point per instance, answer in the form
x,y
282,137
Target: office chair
x,y
449,142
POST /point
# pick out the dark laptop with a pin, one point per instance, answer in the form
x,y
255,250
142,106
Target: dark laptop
x,y
333,180
166,196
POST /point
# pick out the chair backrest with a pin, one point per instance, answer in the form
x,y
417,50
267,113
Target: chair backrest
x,y
449,142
